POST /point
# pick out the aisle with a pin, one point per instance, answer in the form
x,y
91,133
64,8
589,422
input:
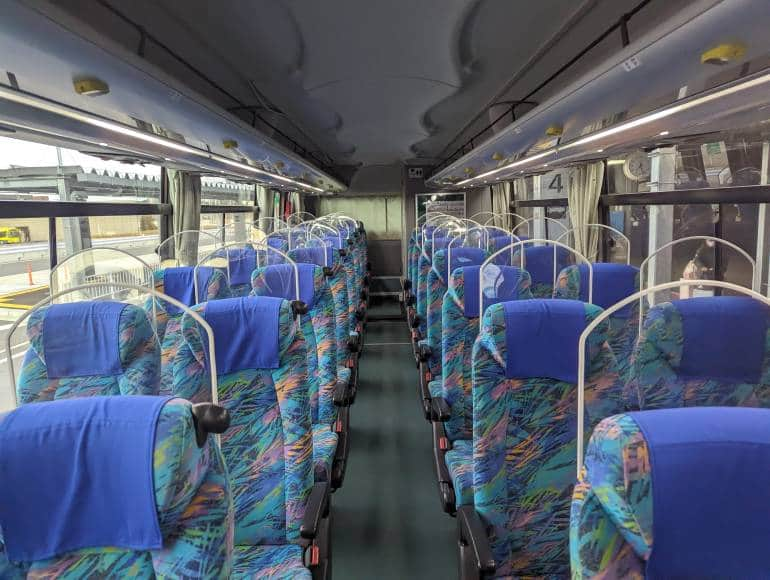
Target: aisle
x,y
388,521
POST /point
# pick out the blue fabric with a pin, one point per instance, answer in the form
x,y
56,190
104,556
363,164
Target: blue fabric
x,y
335,242
245,333
538,261
509,276
462,257
724,338
440,244
710,472
276,242
279,282
78,473
178,283
542,338
612,283
242,262
82,339
313,255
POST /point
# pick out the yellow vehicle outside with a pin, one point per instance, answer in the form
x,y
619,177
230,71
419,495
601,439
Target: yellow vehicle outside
x,y
13,235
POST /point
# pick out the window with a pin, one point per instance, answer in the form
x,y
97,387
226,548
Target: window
x,y
221,191
448,203
381,215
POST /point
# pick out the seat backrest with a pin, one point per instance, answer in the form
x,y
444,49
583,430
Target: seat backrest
x,y
424,265
86,349
339,289
242,261
437,286
611,284
525,426
412,253
674,493
708,351
538,261
459,329
189,492
317,327
262,376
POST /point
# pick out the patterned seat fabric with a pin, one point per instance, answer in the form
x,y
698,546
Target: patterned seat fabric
x,y
437,287
212,285
194,508
275,562
618,509
459,461
711,351
611,283
269,445
134,337
524,427
538,261
341,298
412,255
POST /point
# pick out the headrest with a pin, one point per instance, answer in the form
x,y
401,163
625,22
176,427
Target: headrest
x,y
710,473
441,243
538,261
612,283
178,283
723,337
320,256
82,339
462,257
542,338
277,243
241,262
245,333
278,281
78,474
504,280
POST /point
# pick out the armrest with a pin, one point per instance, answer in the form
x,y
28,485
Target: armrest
x,y
407,284
439,409
411,300
340,397
353,343
416,321
315,510
472,533
424,352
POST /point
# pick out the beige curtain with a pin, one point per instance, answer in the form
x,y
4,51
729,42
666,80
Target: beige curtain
x,y
501,202
184,192
585,186
519,193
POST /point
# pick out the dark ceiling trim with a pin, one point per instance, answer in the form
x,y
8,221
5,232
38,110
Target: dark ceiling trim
x,y
551,202
739,194
60,209
227,209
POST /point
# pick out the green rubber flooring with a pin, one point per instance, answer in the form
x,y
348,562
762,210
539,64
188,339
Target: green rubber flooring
x,y
388,521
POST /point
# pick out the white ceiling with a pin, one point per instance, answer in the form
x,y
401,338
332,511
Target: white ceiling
x,y
368,82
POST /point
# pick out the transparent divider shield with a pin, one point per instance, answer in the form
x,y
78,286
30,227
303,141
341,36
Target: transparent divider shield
x,y
529,224
492,281
507,218
568,237
150,297
264,226
299,217
607,313
185,248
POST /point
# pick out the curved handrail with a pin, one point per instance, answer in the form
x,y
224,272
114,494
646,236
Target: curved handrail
x,y
533,220
602,226
478,213
523,262
606,313
151,291
505,213
178,235
100,249
744,253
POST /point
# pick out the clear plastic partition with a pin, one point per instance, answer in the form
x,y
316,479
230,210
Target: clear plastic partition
x,y
26,336
651,295
541,227
185,248
313,248
617,243
299,217
265,226
506,218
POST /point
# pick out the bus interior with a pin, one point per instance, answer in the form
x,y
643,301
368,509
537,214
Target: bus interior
x,y
346,290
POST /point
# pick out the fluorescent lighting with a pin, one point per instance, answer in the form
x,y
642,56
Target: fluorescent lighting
x,y
103,145
616,161
600,150
663,133
509,166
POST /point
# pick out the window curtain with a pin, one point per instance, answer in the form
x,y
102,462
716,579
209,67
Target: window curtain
x,y
519,193
184,191
585,187
501,202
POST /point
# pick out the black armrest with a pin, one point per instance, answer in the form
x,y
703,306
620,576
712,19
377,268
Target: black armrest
x,y
439,409
416,321
353,344
411,300
445,488
315,510
360,314
472,533
341,394
407,284
424,352
209,418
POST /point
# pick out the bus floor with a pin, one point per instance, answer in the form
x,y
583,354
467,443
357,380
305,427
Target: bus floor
x,y
388,521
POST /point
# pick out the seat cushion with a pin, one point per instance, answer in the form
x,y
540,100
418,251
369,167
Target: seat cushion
x,y
343,375
459,461
324,449
275,562
436,388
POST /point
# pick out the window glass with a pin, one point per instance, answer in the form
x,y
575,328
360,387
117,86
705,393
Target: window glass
x,y
447,203
221,191
382,215
34,171
138,235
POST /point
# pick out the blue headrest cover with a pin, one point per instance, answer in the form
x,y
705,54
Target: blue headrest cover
x,y
508,276
78,474
542,338
242,262
724,338
277,243
710,471
462,257
313,255
82,339
538,261
245,333
612,283
335,242
178,283
279,282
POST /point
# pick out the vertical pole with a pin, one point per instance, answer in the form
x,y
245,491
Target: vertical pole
x,y
53,258
604,218
662,178
165,219
538,213
762,224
